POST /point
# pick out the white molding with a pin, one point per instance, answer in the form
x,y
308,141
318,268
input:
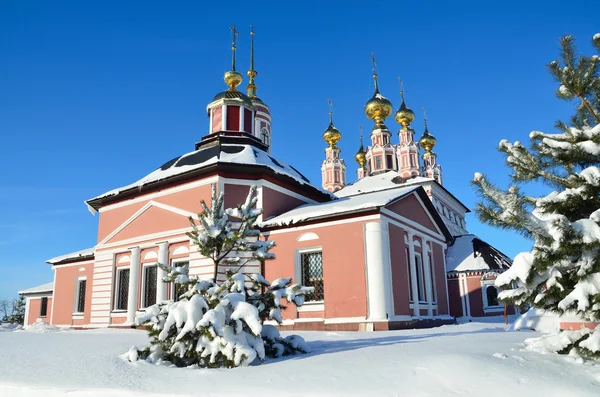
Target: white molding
x,y
76,297
139,212
324,224
82,263
181,250
267,184
307,237
149,240
150,255
117,286
165,192
124,259
416,228
318,306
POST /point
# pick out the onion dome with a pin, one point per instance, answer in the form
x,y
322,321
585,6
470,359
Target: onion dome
x,y
427,141
404,115
232,79
378,108
361,155
229,94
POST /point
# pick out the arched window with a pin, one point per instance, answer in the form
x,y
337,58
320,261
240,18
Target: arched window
x,y
264,136
492,295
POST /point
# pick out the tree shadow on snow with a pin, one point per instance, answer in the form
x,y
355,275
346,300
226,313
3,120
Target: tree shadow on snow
x,y
319,347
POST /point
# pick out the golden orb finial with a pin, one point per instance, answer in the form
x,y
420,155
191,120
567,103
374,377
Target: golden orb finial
x,y
378,108
361,156
427,141
404,115
233,78
331,135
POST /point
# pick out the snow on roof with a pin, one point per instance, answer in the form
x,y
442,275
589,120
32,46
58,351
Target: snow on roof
x,y
210,155
471,253
339,206
387,180
72,255
48,287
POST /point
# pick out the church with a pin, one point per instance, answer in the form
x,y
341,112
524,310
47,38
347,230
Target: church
x,y
390,250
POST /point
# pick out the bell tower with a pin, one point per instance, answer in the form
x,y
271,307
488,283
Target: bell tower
x,y
431,168
361,157
380,156
407,151
333,169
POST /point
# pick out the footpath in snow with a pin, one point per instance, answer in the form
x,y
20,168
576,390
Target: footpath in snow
x,y
474,359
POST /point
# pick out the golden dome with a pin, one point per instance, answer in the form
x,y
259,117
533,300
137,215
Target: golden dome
x,y
232,79
361,155
404,115
378,108
427,141
332,135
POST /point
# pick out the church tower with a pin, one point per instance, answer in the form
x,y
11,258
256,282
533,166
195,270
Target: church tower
x,y
262,116
333,169
381,156
407,152
231,112
431,168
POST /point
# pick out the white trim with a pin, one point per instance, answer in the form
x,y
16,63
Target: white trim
x,y
27,306
150,255
307,237
485,284
165,192
82,263
139,212
223,117
119,246
118,314
142,292
314,306
172,263
324,224
267,184
181,250
124,259
52,313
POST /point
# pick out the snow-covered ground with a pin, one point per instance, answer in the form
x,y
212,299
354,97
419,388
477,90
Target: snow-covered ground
x,y
473,359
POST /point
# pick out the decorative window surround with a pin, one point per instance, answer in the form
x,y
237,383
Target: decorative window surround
x,y
309,306
76,311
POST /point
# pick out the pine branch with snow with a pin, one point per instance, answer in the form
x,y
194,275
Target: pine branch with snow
x,y
216,324
562,271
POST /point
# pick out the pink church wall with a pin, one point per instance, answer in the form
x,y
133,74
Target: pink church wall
x,y
275,203
410,208
400,283
35,305
153,220
454,296
235,194
65,288
343,267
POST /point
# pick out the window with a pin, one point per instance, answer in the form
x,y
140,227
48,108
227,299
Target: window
x,y
377,162
80,296
492,295
432,272
122,289
311,267
177,289
150,273
389,161
44,307
336,176
264,136
420,277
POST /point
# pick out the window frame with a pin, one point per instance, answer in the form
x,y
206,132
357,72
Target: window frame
x,y
485,284
78,281
172,285
117,288
378,162
143,289
309,306
44,306
421,281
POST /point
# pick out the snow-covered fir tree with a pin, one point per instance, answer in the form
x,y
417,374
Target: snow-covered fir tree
x,y
18,315
221,324
562,271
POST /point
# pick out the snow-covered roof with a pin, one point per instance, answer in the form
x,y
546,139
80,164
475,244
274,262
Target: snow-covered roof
x,y
469,253
340,206
387,180
48,287
231,153
73,255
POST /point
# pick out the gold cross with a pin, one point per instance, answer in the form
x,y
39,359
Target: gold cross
x,y
374,63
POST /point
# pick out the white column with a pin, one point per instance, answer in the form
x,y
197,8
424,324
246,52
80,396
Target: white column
x,y
224,119
413,275
163,259
428,278
210,131
467,299
378,265
27,306
242,118
134,279
462,294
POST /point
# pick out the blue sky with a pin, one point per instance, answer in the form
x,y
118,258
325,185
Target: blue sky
x,y
94,95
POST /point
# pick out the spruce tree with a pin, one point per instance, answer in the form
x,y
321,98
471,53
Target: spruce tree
x,y
18,315
221,324
562,272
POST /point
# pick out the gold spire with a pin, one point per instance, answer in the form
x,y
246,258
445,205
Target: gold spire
x,y
233,78
427,141
360,156
251,73
378,108
331,135
404,115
